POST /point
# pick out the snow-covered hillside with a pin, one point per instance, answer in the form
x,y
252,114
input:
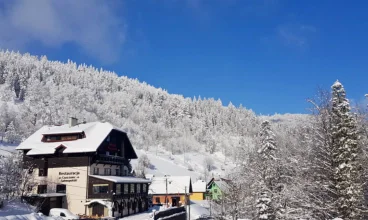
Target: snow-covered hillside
x,y
6,149
164,163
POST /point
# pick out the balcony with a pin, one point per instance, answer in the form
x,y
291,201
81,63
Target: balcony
x,y
109,159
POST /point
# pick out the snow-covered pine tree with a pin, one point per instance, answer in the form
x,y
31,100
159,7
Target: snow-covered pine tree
x,y
267,141
11,135
265,207
347,172
267,156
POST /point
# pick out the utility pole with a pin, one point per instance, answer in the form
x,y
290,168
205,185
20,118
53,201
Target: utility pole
x,y
166,194
210,207
187,201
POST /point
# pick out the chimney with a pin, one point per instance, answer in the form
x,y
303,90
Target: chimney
x,y
73,122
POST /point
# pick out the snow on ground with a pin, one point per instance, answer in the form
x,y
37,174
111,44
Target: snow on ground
x,y
163,163
15,210
198,208
6,149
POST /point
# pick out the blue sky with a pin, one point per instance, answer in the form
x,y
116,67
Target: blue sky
x,y
269,55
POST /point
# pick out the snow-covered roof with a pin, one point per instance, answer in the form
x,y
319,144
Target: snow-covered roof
x,y
222,185
175,185
103,202
51,194
122,179
95,133
199,186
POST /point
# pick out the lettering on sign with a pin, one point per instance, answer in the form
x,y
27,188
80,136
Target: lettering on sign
x,y
68,176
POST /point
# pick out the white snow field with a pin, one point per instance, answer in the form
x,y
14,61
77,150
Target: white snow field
x,y
163,163
6,149
15,210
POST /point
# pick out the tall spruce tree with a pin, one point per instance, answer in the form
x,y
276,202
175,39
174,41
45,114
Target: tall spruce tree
x,y
267,141
347,168
267,157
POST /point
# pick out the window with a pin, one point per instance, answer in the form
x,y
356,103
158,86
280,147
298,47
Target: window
x,y
69,137
215,190
138,188
118,188
158,200
117,172
42,172
100,188
41,189
52,138
107,153
96,171
63,137
107,171
61,188
126,190
144,188
132,190
125,172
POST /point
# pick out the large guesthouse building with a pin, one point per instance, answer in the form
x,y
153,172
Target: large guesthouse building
x,y
84,167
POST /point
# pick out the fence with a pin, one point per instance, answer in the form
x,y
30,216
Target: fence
x,y
172,214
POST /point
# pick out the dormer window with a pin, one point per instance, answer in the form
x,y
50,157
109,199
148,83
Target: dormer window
x,y
62,137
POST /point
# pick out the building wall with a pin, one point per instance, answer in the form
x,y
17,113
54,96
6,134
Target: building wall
x,y
197,196
69,171
215,192
169,197
75,179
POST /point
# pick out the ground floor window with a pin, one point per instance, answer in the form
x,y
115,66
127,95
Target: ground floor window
x,y
100,188
158,200
41,189
118,188
126,188
61,188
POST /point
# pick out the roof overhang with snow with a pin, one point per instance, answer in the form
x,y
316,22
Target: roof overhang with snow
x,y
95,134
48,195
121,179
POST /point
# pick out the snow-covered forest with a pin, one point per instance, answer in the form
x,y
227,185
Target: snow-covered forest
x,y
35,92
288,166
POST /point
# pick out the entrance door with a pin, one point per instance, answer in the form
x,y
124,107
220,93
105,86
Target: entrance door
x,y
55,202
175,201
98,209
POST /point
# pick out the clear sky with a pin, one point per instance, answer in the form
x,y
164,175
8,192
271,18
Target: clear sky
x,y
269,55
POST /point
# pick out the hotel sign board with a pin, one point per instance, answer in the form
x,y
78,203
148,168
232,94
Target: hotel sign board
x,y
68,176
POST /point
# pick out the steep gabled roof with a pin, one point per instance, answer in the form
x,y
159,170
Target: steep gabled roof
x,y
221,183
175,185
95,133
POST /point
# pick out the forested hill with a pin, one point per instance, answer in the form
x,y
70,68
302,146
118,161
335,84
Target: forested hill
x,y
35,91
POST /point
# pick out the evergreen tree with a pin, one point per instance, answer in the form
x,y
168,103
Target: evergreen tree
x,y
266,162
264,207
11,134
347,168
267,141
